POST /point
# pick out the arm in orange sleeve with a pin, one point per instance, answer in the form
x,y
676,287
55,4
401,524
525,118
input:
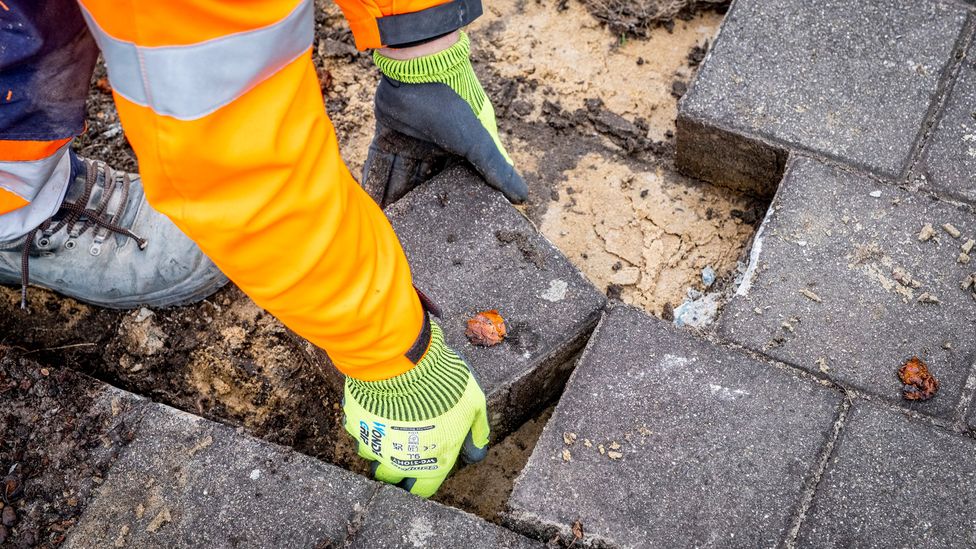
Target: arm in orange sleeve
x,y
222,106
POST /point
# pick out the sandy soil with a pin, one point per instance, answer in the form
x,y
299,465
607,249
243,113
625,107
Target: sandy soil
x,y
588,118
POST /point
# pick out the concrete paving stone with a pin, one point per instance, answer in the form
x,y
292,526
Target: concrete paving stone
x,y
849,79
471,251
894,482
663,439
949,162
188,482
822,289
395,518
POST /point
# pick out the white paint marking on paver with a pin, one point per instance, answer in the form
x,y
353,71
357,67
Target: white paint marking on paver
x,y
421,530
556,291
726,393
669,362
750,274
255,474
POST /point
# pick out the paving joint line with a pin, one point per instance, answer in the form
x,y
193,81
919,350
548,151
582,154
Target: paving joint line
x,y
966,400
947,84
355,522
810,488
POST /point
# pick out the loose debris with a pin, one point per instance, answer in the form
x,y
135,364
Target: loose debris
x,y
486,329
822,364
567,457
926,297
953,232
919,384
904,278
569,438
811,296
926,233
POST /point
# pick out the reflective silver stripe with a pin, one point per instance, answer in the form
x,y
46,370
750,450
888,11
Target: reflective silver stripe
x,y
192,81
41,182
26,178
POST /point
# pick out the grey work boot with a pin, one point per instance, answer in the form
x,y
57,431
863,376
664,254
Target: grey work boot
x,y
106,246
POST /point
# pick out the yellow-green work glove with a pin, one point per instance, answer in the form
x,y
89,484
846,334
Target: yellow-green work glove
x,y
413,426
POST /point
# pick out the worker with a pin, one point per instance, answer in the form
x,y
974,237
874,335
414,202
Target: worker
x,y
223,108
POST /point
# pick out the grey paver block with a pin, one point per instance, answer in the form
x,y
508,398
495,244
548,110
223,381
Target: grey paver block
x,y
471,251
714,447
189,482
894,482
847,240
395,518
949,162
849,79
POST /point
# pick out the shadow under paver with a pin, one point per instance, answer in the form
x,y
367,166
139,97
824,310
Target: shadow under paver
x,y
185,481
673,442
470,251
395,518
846,241
949,161
848,79
894,481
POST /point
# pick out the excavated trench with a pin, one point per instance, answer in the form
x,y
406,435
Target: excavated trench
x,y
590,123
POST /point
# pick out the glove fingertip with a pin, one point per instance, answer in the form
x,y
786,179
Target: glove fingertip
x,y
471,452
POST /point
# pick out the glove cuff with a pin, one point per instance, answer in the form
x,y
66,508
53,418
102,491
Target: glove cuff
x,y
436,67
426,391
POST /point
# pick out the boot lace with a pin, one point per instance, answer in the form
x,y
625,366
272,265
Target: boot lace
x,y
76,218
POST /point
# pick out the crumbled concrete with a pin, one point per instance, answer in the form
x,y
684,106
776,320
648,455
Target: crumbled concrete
x,y
186,481
894,481
949,162
472,251
395,518
861,256
852,80
663,439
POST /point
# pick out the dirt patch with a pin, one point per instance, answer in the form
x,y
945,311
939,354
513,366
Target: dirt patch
x,y
650,234
57,440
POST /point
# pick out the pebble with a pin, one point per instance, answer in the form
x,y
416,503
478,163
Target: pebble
x,y
9,516
708,276
875,194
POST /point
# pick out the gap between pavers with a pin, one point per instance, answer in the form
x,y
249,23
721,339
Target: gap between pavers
x,y
948,165
471,251
835,281
894,481
184,481
663,438
854,80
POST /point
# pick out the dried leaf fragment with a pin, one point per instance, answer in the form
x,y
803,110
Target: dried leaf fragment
x,y
577,531
919,383
486,328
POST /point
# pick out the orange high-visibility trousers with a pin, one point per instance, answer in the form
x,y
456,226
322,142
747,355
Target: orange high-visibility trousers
x,y
222,106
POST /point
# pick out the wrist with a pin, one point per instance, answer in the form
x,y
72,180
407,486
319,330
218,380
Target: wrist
x,y
419,50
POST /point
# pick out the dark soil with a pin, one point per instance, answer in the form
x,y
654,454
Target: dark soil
x,y
57,440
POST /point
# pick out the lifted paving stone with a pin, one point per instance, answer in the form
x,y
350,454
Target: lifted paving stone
x,y
838,280
894,482
848,79
949,163
185,481
395,518
471,251
663,439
